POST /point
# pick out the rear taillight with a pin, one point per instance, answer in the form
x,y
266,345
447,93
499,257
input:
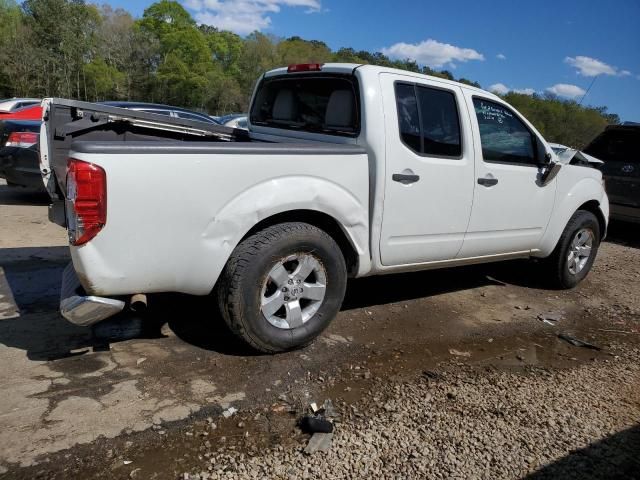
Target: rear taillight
x,y
86,200
304,67
22,139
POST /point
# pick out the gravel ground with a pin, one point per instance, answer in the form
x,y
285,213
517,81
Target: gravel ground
x,y
472,423
510,399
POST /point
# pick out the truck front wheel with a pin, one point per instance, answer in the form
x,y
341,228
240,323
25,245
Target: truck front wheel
x,y
576,251
282,286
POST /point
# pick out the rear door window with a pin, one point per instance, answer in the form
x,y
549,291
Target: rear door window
x,y
428,120
318,104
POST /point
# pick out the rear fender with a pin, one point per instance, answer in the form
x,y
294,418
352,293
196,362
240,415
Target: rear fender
x,y
277,196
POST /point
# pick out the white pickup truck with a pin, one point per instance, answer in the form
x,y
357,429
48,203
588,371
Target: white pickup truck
x,y
347,170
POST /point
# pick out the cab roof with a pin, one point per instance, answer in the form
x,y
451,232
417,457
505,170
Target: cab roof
x,y
349,68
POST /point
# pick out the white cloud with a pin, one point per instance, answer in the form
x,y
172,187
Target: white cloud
x,y
432,53
501,56
625,73
244,16
591,67
502,89
499,88
566,90
524,91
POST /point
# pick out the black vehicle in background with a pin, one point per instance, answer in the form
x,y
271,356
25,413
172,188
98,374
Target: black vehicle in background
x,y
166,110
619,148
19,159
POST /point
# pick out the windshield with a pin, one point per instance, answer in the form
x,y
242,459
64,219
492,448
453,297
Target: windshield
x,y
319,104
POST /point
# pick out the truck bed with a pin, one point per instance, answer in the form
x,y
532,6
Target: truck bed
x,y
67,121
177,210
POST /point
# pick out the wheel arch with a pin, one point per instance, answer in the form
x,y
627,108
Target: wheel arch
x,y
324,222
586,194
593,206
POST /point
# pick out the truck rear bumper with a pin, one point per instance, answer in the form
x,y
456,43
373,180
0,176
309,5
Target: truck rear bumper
x,y
81,309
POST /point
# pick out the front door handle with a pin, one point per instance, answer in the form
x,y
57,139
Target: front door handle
x,y
405,178
487,181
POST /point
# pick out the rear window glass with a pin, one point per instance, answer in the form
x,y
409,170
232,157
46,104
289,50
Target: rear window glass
x,y
616,146
326,105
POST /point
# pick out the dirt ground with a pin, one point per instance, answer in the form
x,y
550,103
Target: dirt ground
x,y
440,374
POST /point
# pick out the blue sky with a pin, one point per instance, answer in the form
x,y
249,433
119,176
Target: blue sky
x,y
528,46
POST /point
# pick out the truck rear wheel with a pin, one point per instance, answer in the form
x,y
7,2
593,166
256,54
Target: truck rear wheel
x,y
576,251
282,286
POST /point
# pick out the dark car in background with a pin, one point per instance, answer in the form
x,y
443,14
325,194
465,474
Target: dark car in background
x,y
19,160
619,148
165,110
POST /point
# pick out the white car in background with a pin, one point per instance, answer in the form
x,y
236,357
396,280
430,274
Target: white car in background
x,y
235,120
567,154
12,104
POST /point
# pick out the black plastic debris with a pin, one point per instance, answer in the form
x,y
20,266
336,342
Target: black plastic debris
x,y
431,375
315,424
577,342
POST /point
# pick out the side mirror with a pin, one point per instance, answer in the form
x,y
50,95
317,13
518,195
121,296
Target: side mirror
x,y
542,156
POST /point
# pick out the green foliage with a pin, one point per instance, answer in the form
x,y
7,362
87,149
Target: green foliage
x,y
562,121
71,49
103,82
164,17
297,50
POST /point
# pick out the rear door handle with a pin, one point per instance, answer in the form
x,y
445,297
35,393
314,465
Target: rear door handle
x,y
405,178
487,181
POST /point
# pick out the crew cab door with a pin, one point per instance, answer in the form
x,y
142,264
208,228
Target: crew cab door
x,y
429,170
511,208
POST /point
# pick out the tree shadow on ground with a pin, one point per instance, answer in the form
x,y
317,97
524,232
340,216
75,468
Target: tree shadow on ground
x,y
616,457
23,196
34,276
624,233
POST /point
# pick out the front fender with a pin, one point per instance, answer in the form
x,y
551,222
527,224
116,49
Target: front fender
x,y
279,195
571,196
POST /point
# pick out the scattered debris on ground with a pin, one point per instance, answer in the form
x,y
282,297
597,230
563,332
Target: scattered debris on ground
x,y
577,342
550,318
459,353
229,412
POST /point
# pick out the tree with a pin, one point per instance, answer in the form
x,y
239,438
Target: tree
x,y
296,50
63,33
16,74
103,82
164,17
226,47
94,53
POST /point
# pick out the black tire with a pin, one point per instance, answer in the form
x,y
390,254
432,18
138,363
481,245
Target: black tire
x,y
558,264
240,287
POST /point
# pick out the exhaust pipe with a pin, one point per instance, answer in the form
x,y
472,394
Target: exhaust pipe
x,y
138,302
